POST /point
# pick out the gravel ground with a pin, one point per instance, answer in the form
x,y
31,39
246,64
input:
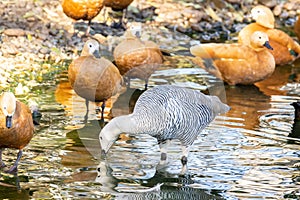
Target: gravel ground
x,y
35,33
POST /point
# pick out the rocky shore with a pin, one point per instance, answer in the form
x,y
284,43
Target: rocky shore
x,y
36,33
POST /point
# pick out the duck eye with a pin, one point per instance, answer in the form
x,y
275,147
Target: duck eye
x,y
100,137
4,107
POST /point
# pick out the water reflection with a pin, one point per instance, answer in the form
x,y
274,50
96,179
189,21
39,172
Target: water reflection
x,y
125,102
7,192
174,186
245,103
246,154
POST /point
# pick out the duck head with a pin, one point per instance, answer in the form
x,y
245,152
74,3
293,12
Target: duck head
x,y
91,48
263,16
134,30
8,106
259,40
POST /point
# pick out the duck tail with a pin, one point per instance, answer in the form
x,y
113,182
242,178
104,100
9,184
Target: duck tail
x,y
35,113
36,117
295,49
208,65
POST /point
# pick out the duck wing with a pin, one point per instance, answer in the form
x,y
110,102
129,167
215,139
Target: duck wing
x,y
223,51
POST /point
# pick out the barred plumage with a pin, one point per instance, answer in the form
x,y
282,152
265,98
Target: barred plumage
x,y
171,112
166,112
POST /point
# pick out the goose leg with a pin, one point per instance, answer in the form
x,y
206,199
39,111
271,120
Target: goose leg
x,y
2,165
163,150
14,168
185,152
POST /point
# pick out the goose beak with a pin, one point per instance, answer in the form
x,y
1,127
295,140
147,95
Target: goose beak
x,y
267,45
8,121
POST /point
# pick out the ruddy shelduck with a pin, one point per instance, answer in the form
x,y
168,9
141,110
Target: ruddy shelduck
x,y
16,126
285,49
136,58
237,63
95,79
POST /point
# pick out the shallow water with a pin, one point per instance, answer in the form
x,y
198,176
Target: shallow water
x,y
245,154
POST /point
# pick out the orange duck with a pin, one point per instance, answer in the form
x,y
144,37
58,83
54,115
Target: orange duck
x,y
135,58
237,63
285,48
95,79
82,9
16,126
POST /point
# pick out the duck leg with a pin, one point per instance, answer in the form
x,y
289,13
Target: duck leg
x,y
14,168
2,165
185,152
87,111
146,84
87,32
102,109
123,23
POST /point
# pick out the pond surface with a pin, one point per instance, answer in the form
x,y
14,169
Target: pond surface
x,y
245,154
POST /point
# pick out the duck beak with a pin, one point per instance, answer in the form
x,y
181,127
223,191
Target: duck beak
x,y
267,45
8,121
96,54
138,34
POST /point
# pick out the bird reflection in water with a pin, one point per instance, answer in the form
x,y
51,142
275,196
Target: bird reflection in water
x,y
10,188
295,133
162,185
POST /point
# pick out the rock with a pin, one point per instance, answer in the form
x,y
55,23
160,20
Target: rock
x,y
289,6
277,10
268,3
284,15
9,49
44,50
14,32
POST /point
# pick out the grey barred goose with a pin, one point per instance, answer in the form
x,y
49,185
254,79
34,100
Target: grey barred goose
x,y
166,112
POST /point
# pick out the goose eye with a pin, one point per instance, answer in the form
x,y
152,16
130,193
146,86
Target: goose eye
x,y
100,137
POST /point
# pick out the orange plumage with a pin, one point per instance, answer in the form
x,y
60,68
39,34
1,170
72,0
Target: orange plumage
x,y
237,63
16,126
282,43
94,79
